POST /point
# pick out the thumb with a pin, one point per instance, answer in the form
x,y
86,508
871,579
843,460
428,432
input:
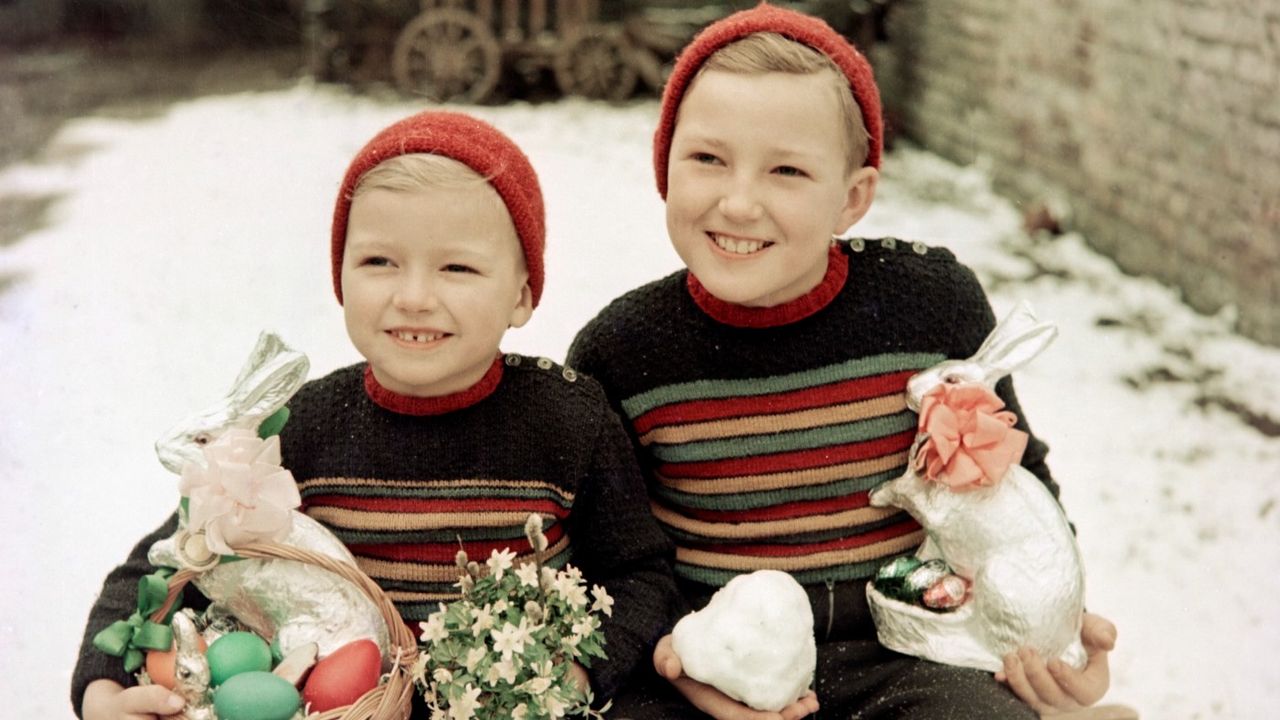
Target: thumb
x,y
665,660
1097,633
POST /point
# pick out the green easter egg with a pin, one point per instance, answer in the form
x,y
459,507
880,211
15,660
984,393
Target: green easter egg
x,y
256,695
236,653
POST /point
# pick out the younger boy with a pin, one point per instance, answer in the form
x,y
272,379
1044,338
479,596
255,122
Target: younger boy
x,y
437,249
764,385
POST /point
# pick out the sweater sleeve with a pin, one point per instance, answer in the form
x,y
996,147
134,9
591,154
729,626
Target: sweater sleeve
x,y
117,601
974,321
618,544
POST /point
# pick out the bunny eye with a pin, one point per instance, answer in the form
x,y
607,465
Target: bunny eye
x,y
952,379
202,439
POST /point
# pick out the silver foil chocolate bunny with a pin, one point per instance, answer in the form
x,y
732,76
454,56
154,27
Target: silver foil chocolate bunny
x,y
290,602
191,676
994,523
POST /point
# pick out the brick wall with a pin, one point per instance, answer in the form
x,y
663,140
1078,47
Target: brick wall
x,y
1157,120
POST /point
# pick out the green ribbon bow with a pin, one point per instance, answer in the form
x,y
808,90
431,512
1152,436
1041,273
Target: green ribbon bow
x,y
129,638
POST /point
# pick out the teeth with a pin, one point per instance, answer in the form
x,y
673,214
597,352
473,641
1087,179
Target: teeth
x,y
738,246
418,337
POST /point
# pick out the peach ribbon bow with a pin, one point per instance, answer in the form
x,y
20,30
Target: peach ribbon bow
x,y
971,441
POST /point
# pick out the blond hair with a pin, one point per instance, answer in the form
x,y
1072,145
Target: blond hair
x,y
767,52
419,171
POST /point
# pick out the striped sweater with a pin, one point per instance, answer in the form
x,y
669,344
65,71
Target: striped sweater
x,y
761,431
402,480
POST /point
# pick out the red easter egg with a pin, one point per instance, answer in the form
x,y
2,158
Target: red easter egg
x,y
341,678
160,664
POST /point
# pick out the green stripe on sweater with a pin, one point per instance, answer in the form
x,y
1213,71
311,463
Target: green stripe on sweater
x,y
765,498
750,445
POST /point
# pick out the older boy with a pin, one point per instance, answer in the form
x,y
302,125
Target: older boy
x,y
437,248
764,385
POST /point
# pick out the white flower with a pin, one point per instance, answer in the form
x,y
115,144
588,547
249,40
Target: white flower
x,y
464,706
520,712
574,573
500,562
483,620
433,629
500,607
510,639
603,602
528,574
505,669
584,627
241,495
554,705
537,686
569,589
419,669
548,578
474,656
441,675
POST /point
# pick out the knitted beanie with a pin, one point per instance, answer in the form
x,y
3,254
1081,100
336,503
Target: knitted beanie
x,y
793,25
472,142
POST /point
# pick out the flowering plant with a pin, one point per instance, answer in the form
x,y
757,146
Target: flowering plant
x,y
504,650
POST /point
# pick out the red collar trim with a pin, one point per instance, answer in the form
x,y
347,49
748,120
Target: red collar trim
x,y
791,311
419,406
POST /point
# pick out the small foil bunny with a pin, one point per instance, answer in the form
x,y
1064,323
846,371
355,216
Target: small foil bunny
x,y
293,603
992,521
191,676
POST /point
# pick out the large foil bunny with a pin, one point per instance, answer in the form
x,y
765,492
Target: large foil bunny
x,y
292,603
992,521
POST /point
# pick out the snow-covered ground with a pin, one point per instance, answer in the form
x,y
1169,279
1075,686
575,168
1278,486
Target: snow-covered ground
x,y
177,239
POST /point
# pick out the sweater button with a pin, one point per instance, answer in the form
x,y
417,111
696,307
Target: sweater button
x,y
857,244
570,374
888,243
545,363
919,247
513,360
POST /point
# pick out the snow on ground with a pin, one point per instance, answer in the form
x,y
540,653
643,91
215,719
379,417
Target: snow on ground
x,y
177,239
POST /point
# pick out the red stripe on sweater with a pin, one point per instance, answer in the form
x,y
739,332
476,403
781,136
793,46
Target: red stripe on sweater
x,y
478,550
797,460
735,407
783,511
779,550
434,505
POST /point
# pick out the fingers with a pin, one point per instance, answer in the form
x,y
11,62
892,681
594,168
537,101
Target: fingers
x,y
1018,676
716,704
1097,633
1087,686
149,701
665,660
806,705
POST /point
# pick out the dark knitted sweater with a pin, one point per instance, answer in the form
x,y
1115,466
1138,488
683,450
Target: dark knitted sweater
x,y
761,431
400,480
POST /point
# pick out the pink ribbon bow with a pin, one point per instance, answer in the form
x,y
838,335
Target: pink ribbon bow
x,y
971,441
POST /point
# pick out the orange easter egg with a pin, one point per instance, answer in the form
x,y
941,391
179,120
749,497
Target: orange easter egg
x,y
341,678
160,664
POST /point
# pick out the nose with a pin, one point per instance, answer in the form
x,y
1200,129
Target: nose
x,y
739,202
416,292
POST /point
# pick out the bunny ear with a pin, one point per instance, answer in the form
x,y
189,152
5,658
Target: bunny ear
x,y
1014,342
269,345
265,389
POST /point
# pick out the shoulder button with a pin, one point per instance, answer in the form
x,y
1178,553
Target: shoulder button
x,y
919,247
545,363
570,374
512,359
857,244
888,243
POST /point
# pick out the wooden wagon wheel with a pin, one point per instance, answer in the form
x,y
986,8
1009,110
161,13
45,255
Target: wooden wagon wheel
x,y
595,61
447,55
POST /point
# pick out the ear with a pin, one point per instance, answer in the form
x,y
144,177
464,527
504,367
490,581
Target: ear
x,y
267,390
1014,342
523,309
860,191
269,345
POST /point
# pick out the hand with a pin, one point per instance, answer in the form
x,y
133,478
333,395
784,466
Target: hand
x,y
578,674
1055,688
108,700
715,703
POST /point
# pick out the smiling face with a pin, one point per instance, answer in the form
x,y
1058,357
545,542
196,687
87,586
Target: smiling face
x,y
758,184
431,280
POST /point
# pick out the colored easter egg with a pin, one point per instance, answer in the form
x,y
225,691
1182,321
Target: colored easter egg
x,y
343,676
256,695
160,664
235,653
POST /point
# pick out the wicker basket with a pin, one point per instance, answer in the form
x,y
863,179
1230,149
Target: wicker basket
x,y
391,699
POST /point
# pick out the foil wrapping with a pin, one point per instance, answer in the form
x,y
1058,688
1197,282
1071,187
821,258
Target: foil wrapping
x,y
289,603
1013,543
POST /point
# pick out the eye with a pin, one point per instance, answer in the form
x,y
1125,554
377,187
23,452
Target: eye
x,y
203,439
375,261
459,268
789,171
705,158
952,379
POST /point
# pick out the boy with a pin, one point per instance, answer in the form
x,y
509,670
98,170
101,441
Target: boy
x,y
437,249
763,386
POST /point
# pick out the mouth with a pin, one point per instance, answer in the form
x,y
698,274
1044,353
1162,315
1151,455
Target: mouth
x,y
413,337
738,246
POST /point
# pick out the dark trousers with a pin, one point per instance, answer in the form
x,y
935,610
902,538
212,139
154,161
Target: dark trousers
x,y
856,677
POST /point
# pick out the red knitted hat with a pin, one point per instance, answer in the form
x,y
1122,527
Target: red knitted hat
x,y
472,142
799,27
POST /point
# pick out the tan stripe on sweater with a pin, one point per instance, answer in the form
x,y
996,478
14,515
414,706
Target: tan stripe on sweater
x,y
722,561
789,479
765,424
771,528
383,521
